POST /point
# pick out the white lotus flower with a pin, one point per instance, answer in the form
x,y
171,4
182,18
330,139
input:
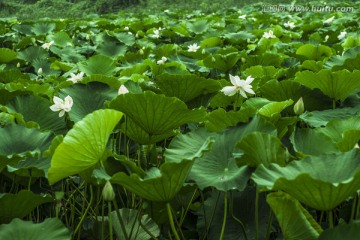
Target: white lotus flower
x,y
126,28
342,35
47,45
326,38
269,34
122,90
242,16
241,86
62,105
289,24
75,78
329,20
193,48
162,60
156,34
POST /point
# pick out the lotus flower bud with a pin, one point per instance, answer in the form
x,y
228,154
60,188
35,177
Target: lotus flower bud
x,y
108,193
18,65
40,71
299,107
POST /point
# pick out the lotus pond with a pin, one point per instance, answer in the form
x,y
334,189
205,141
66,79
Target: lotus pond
x,y
237,124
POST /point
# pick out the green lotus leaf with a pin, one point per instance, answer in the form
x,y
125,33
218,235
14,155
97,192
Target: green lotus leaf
x,y
321,182
238,37
348,60
218,168
51,228
35,108
345,132
30,167
222,62
343,231
6,119
13,75
65,67
261,148
211,42
20,204
321,118
87,98
111,47
84,145
36,88
160,185
7,55
189,146
186,87
351,42
68,54
33,52
156,114
27,140
267,108
136,228
98,64
295,221
312,52
312,142
198,26
336,85
139,135
211,215
22,28
125,38
43,28
219,119
60,39
281,91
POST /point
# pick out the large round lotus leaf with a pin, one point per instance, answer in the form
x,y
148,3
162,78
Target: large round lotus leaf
x,y
68,54
344,231
19,205
87,98
60,39
158,184
312,142
267,108
43,28
348,60
35,108
218,168
139,135
312,52
84,145
186,87
7,55
295,222
336,85
222,62
321,182
321,118
98,64
110,47
211,215
198,26
32,53
19,140
13,75
136,228
51,228
345,132
36,88
156,114
261,148
217,120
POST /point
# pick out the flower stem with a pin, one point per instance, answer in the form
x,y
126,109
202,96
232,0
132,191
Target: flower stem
x,y
110,221
171,220
225,216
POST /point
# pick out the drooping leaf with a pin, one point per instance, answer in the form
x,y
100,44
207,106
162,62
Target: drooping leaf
x,y
136,228
19,205
261,148
343,231
186,87
321,182
98,64
156,114
51,228
336,85
161,184
84,145
295,221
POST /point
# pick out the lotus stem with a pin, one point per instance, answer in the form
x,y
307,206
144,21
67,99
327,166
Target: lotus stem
x,y
354,207
268,231
231,204
86,211
257,214
171,220
225,216
110,221
331,219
